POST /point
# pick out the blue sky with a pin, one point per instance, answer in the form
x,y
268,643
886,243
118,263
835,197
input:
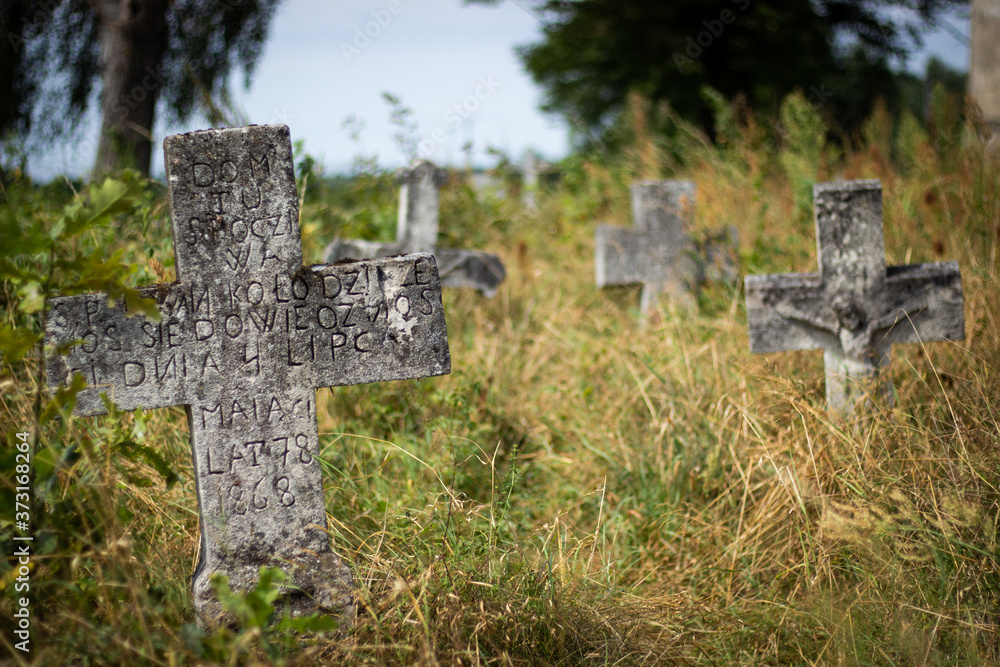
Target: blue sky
x,y
452,64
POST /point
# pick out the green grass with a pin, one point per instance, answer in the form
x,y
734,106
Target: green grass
x,y
581,490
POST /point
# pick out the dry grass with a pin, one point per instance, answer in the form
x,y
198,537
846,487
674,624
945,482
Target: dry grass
x,y
581,490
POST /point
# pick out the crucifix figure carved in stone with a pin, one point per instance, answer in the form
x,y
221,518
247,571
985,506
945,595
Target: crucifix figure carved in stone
x,y
856,308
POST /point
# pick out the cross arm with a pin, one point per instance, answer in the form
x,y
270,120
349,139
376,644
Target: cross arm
x,y
366,321
626,256
924,303
137,362
470,268
339,250
788,312
456,268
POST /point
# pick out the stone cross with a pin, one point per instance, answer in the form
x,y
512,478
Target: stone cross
x,y
246,336
856,307
984,70
416,231
656,252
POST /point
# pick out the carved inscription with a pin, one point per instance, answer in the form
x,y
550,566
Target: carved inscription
x,y
249,462
318,317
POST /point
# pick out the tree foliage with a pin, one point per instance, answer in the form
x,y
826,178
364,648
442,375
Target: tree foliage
x,y
595,52
40,38
50,60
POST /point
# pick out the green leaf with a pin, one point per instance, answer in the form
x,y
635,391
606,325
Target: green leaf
x,y
11,271
139,425
255,607
137,305
113,196
63,399
311,623
15,343
136,452
21,237
30,297
44,463
194,638
96,273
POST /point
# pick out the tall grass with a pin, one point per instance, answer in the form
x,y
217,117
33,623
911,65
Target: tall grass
x,y
581,490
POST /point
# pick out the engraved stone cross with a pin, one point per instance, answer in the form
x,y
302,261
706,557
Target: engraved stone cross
x,y
656,251
417,230
856,307
246,335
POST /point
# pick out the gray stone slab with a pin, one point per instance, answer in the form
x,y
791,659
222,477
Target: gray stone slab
x,y
246,336
416,231
529,186
657,251
419,206
855,308
717,256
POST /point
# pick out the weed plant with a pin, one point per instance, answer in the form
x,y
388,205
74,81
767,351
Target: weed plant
x,y
580,489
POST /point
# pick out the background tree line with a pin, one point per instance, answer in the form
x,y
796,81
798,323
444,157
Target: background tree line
x,y
55,55
843,55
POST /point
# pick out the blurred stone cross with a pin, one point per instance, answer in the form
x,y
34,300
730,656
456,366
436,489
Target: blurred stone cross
x,y
417,230
856,308
529,186
657,251
246,336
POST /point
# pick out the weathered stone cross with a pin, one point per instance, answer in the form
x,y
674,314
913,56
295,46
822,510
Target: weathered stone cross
x,y
246,335
529,184
855,308
657,251
417,230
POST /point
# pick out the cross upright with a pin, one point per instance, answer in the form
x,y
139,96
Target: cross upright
x,y
246,336
417,230
529,185
656,251
855,308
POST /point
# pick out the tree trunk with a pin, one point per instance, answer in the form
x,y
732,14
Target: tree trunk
x,y
984,69
133,40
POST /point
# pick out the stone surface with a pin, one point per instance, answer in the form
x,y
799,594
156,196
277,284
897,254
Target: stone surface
x,y
246,335
984,70
416,231
855,308
716,256
529,186
419,206
657,251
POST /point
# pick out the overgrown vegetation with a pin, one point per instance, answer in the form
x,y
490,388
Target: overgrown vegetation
x,y
579,490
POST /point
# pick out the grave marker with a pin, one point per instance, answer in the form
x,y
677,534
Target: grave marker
x,y
416,231
657,251
246,336
855,308
529,185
